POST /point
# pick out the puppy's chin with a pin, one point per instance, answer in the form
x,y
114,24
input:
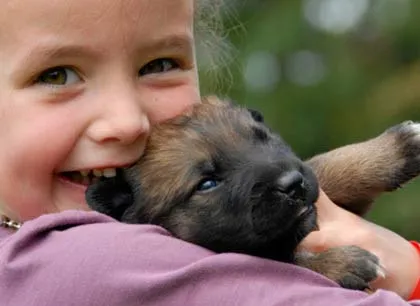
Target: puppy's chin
x,y
304,225
283,246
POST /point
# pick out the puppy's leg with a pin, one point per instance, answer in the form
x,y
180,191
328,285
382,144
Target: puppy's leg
x,y
352,176
349,266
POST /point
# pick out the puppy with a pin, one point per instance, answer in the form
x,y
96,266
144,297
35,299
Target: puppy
x,y
220,178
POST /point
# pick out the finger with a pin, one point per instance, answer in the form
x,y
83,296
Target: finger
x,y
314,242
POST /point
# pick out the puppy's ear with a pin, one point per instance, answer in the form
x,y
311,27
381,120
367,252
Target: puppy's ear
x,y
218,101
212,100
110,196
256,115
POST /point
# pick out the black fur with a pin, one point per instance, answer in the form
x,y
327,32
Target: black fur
x,y
257,115
221,179
112,196
247,212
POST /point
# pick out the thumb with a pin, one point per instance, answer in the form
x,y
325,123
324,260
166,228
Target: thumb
x,y
327,210
327,213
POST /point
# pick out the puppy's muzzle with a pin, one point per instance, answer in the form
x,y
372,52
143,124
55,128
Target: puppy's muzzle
x,y
291,183
281,201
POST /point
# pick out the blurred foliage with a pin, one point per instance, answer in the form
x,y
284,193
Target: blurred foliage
x,y
326,73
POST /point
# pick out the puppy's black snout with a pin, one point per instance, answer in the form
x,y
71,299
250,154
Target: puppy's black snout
x,y
290,183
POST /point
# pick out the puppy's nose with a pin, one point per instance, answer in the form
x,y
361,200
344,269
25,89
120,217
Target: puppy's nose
x,y
290,182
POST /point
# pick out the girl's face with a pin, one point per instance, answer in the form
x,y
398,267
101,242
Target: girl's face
x,y
81,83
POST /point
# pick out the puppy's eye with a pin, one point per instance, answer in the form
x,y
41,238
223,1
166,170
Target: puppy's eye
x,y
260,134
207,184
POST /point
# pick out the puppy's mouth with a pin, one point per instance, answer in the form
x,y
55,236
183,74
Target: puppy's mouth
x,y
280,215
90,176
304,212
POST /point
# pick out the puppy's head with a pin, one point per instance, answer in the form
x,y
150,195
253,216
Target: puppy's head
x,y
220,178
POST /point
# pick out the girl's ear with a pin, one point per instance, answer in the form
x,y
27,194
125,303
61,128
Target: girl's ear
x,y
110,196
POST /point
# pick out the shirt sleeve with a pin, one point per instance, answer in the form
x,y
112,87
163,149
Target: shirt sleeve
x,y
85,258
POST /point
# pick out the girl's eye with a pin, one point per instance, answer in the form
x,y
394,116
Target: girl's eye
x,y
207,184
158,66
58,76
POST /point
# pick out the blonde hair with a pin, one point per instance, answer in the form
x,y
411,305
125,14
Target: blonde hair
x,y
214,51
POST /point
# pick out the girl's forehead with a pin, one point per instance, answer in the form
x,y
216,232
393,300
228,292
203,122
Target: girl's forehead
x,y
101,20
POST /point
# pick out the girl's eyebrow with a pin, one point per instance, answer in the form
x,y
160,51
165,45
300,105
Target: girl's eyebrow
x,y
51,51
181,42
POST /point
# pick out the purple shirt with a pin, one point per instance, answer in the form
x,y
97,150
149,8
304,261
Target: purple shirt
x,y
85,258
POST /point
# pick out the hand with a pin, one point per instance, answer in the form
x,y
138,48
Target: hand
x,y
338,227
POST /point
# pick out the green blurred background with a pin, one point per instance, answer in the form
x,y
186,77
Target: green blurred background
x,y
326,73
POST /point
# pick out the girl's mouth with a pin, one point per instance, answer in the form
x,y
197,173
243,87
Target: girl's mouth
x,y
87,177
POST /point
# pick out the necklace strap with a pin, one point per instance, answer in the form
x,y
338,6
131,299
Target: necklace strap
x,y
8,223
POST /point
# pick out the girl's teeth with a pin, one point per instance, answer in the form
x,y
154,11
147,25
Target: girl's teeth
x,y
84,173
110,172
97,173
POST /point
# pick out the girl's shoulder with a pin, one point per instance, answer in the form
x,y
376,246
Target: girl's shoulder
x,y
79,236
86,258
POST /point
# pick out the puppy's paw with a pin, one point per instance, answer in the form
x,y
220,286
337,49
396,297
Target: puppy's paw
x,y
349,266
358,267
404,139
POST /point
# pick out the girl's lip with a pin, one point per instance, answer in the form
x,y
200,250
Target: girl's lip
x,y
66,180
71,191
102,167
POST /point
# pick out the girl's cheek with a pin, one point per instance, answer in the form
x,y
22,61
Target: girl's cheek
x,y
173,103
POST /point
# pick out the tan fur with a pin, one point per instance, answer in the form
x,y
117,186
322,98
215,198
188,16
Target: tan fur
x,y
352,176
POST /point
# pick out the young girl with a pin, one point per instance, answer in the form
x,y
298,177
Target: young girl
x,y
81,84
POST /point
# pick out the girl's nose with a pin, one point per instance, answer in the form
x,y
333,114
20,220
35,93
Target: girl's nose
x,y
124,130
121,119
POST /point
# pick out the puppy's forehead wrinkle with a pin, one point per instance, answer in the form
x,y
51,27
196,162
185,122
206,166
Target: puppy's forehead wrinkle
x,y
208,127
